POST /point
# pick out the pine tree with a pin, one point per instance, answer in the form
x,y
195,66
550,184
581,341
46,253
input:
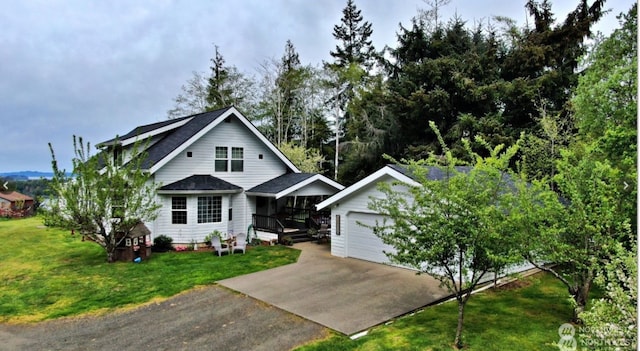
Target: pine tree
x,y
220,92
541,67
355,39
353,59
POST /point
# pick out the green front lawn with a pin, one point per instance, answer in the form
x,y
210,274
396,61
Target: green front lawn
x,y
522,317
47,273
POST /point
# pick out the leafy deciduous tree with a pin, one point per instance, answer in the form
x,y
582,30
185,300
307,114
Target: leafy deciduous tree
x,y
103,199
192,99
307,160
574,236
612,320
450,226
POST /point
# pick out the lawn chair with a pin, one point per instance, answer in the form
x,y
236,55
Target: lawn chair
x,y
241,243
218,246
323,232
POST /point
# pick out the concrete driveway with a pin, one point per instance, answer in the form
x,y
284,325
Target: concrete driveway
x,y
344,294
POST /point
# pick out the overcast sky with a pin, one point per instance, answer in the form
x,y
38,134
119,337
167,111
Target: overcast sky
x,y
100,68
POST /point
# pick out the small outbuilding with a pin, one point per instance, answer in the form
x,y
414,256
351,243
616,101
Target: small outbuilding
x,y
349,211
352,219
137,243
14,204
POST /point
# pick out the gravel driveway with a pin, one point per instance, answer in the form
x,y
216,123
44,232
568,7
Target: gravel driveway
x,y
208,318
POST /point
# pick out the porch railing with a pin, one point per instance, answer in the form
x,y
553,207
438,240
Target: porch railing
x,y
268,224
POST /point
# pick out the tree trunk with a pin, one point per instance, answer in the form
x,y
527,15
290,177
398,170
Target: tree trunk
x,y
581,296
111,256
458,340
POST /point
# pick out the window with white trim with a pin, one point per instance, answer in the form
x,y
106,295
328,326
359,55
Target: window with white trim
x,y
222,156
179,210
237,159
209,209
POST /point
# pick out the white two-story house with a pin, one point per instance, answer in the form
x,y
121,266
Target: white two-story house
x,y
218,172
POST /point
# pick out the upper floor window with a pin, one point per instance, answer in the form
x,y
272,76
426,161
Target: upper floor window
x,y
222,156
223,163
237,159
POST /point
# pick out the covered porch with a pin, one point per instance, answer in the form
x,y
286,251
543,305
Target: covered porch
x,y
285,206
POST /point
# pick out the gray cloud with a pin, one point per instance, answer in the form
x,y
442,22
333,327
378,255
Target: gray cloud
x,y
100,68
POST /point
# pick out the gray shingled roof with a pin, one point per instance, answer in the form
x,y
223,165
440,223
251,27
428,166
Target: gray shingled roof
x,y
145,129
435,173
201,182
179,136
280,183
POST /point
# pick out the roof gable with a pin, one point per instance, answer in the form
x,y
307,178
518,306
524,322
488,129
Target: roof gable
x,y
179,137
15,196
176,135
363,183
398,172
200,183
145,131
290,182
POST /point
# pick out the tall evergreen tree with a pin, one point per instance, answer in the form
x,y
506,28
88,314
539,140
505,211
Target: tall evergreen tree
x,y
354,36
447,75
290,83
220,93
354,57
541,67
225,86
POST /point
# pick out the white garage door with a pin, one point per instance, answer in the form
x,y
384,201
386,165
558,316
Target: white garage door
x,y
361,242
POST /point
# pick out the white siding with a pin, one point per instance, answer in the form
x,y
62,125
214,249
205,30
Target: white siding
x,y
313,189
241,218
256,171
361,242
357,202
184,233
233,134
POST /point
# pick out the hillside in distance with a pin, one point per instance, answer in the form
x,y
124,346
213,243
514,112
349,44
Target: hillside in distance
x,y
25,175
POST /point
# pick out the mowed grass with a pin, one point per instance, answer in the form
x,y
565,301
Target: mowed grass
x,y
523,316
47,273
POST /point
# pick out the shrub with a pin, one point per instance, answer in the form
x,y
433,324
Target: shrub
x,y
207,239
287,240
162,243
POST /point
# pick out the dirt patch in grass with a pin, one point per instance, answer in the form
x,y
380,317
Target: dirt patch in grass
x,y
514,285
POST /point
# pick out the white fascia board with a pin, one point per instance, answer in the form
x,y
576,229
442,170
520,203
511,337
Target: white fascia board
x,y
143,136
191,140
197,192
372,178
260,194
154,132
212,125
264,140
310,180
